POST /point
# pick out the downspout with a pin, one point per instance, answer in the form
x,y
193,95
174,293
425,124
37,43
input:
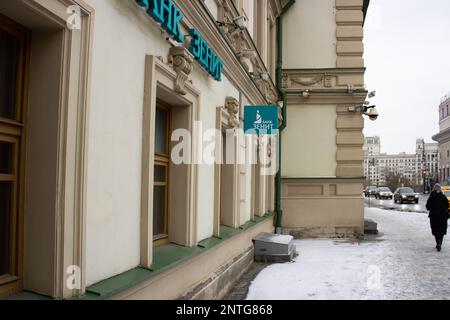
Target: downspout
x,y
279,70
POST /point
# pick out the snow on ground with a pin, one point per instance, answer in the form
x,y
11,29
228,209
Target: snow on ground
x,y
401,263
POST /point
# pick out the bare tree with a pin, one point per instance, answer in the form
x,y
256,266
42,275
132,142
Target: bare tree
x,y
395,180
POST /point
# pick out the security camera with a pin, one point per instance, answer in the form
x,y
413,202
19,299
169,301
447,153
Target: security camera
x,y
372,94
372,114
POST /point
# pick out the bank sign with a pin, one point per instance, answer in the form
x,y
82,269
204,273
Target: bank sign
x,y
169,16
261,120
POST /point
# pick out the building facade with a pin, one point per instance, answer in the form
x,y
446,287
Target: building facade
x,y
419,170
322,80
443,139
101,97
427,155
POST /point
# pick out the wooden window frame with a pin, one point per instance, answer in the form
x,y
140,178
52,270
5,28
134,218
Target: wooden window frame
x,y
164,160
161,82
14,131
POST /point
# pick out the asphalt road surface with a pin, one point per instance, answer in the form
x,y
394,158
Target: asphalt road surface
x,y
391,205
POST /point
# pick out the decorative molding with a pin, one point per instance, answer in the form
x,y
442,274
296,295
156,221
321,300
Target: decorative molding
x,y
181,61
442,137
323,79
326,97
232,109
241,41
71,168
198,16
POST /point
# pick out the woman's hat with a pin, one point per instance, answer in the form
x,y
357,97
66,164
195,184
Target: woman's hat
x,y
437,187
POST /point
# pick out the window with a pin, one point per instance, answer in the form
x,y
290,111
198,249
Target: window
x,y
271,44
13,44
161,175
247,8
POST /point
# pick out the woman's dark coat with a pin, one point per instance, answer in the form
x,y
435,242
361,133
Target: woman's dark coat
x,y
437,204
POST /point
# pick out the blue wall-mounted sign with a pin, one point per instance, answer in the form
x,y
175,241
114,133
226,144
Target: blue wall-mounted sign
x,y
261,120
166,13
169,16
205,55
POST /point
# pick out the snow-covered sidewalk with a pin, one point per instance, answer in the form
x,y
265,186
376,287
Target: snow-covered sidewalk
x,y
401,263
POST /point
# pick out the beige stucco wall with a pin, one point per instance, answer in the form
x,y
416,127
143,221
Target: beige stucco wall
x,y
323,207
444,147
444,124
309,141
309,30
115,136
323,142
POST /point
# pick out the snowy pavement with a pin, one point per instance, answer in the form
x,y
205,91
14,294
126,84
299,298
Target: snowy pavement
x,y
400,263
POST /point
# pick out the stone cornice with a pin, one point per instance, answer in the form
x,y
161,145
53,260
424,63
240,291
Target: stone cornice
x,y
241,41
326,97
197,16
329,79
443,136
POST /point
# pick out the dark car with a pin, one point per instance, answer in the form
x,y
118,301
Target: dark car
x,y
370,191
407,195
384,193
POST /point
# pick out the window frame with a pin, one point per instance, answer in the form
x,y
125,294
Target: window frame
x,y
164,160
13,131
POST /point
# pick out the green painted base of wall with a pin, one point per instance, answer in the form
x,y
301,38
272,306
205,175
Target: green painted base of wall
x,y
165,257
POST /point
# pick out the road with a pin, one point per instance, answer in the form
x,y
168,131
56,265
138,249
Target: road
x,y
400,263
389,204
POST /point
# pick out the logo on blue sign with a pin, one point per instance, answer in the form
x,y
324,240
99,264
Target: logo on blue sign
x,y
261,120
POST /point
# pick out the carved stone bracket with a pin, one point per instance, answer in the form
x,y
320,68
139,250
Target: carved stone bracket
x,y
181,61
270,94
232,108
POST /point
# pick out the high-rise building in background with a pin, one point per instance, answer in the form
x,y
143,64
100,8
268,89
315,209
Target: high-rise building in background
x,y
419,169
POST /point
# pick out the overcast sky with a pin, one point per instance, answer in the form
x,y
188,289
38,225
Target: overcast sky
x,y
407,55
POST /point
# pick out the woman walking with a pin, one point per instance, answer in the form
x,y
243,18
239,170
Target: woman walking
x,y
438,204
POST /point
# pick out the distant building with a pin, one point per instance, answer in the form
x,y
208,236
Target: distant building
x,y
418,169
443,138
372,146
427,163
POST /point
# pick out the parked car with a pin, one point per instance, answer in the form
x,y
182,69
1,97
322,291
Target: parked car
x,y
370,191
384,193
405,194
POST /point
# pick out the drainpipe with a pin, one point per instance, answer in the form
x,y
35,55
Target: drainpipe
x,y
279,70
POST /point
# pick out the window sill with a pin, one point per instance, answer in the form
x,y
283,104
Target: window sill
x,y
165,258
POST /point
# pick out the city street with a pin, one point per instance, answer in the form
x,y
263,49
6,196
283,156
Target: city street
x,y
391,205
400,263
